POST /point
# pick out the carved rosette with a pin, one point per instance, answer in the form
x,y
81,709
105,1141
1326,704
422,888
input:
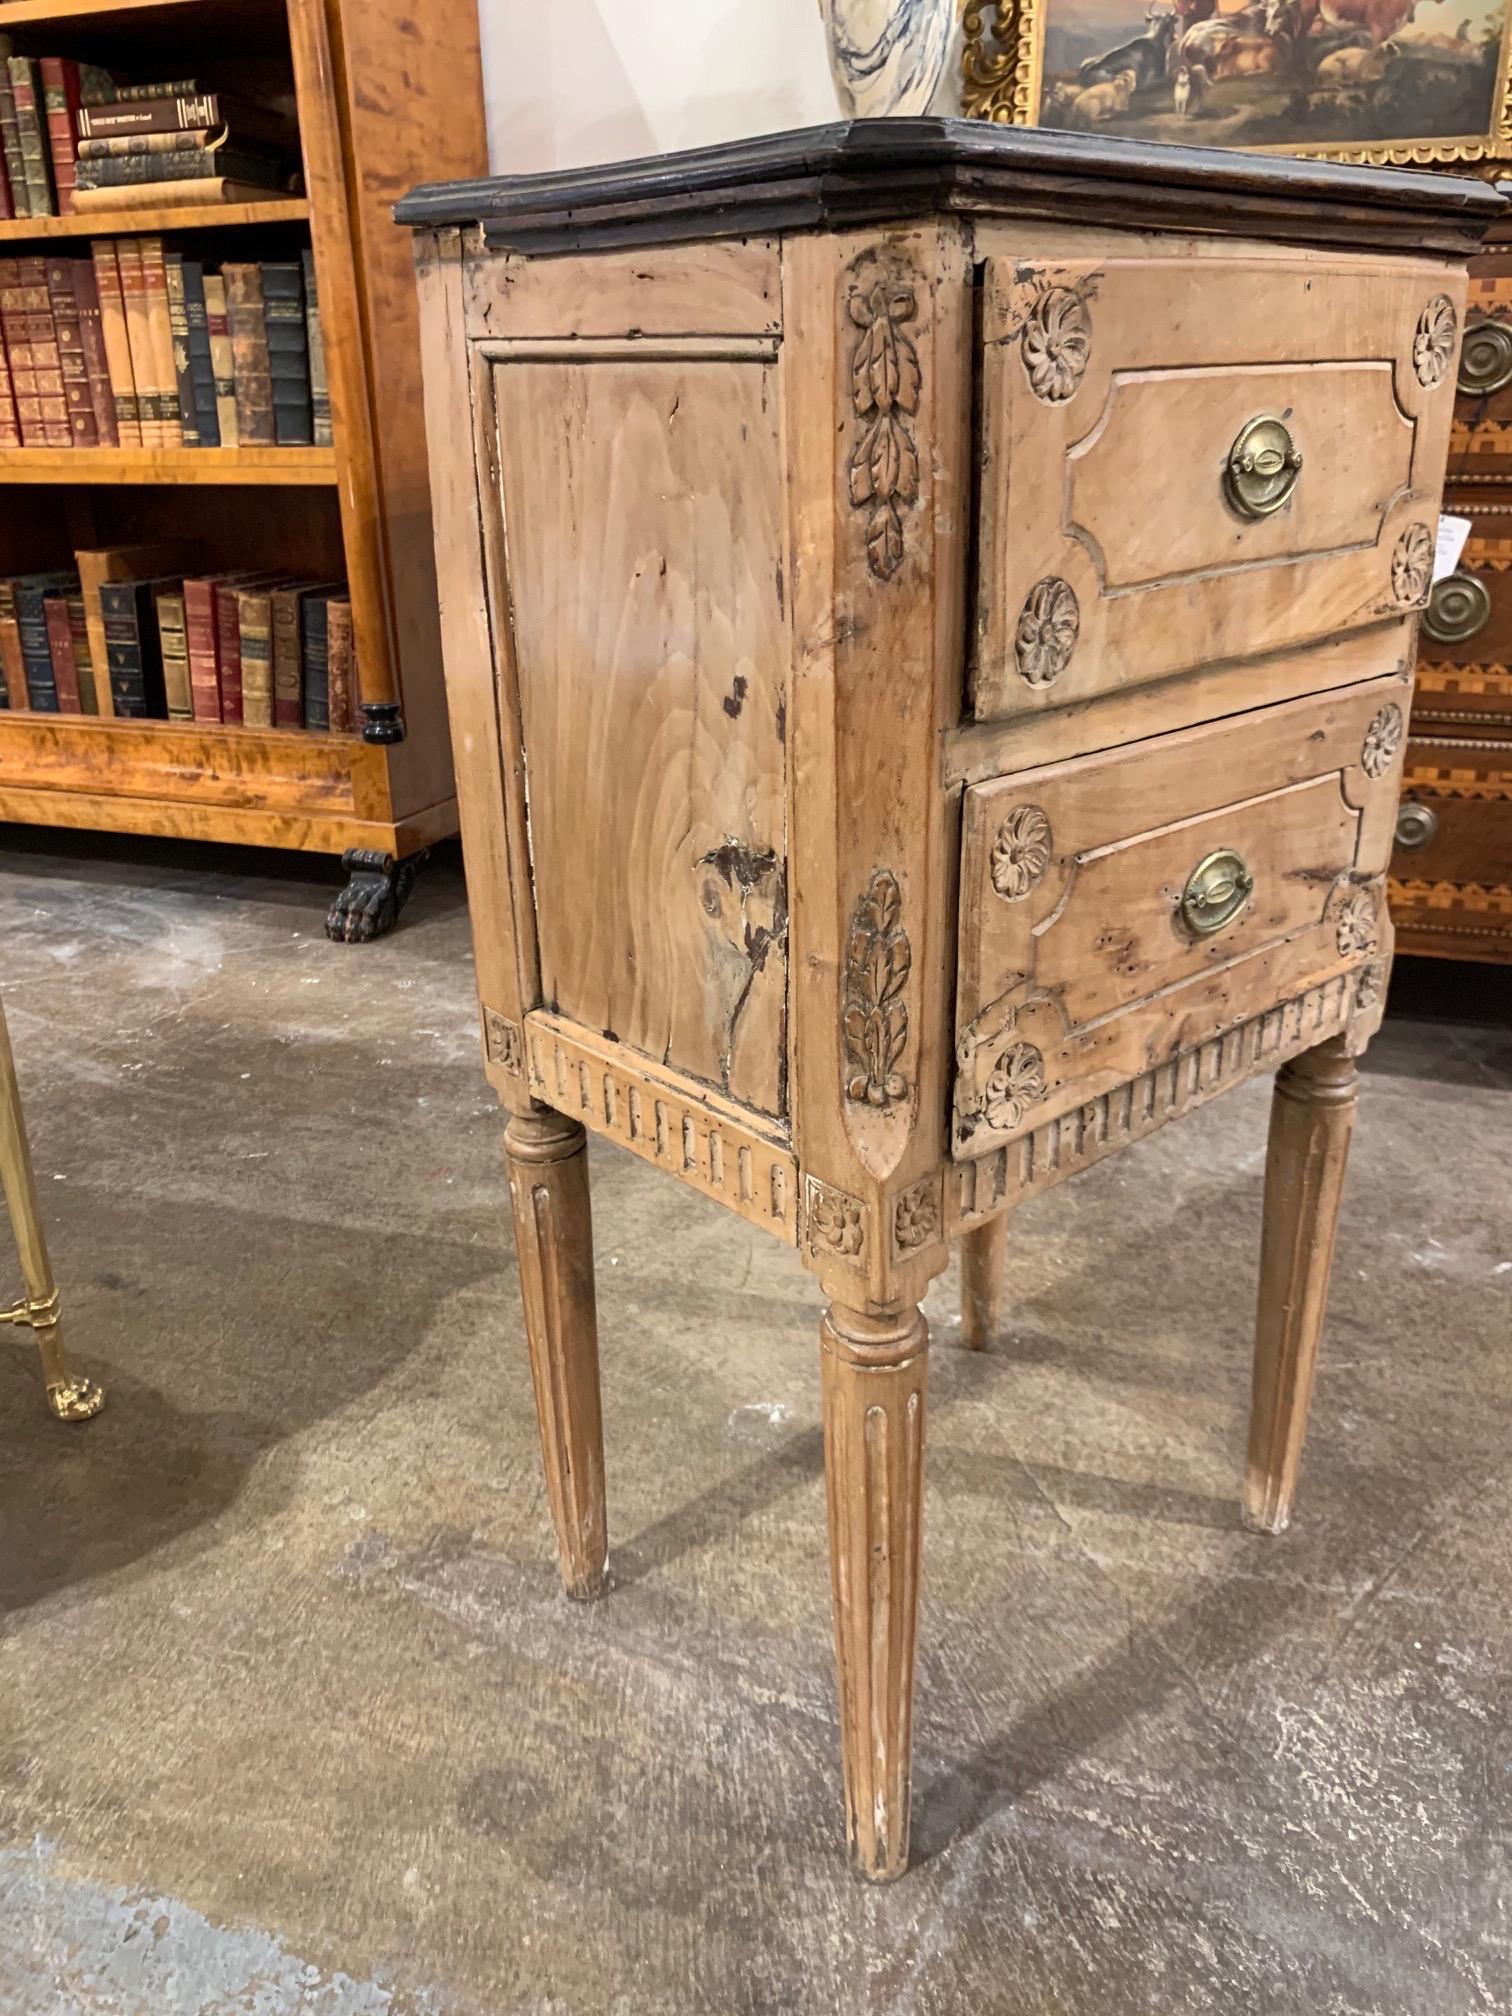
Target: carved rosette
x,y
1055,345
836,1222
1355,927
874,1016
1412,565
916,1216
1048,626
1433,340
501,1041
1015,1083
885,387
1383,738
1021,852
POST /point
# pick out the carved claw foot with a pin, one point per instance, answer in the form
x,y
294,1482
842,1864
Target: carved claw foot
x,y
76,1399
377,890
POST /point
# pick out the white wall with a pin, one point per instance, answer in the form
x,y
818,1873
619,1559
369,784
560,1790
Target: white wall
x,y
573,81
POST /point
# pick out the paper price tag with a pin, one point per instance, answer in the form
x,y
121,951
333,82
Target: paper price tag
x,y
1452,534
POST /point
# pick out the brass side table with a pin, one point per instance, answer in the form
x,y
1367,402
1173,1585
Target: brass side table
x,y
70,1396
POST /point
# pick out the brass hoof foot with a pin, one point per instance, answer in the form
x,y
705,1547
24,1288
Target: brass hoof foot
x,y
76,1399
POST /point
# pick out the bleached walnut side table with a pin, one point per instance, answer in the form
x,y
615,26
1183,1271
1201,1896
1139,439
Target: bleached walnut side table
x,y
927,613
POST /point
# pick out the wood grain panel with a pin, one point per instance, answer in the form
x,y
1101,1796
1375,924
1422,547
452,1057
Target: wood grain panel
x,y
642,511
1113,391
681,290
1075,966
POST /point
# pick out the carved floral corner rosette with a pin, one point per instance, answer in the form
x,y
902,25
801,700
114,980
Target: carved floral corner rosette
x,y
1357,920
1412,566
1055,342
886,384
1383,738
502,1042
1001,1073
918,1217
874,1012
834,1221
1433,342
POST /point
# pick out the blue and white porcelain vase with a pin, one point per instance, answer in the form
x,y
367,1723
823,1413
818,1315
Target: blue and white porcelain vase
x,y
886,55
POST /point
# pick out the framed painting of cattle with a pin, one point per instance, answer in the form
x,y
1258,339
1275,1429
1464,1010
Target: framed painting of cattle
x,y
1358,80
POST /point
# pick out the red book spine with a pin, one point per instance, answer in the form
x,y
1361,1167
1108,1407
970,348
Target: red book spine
x,y
60,95
228,642
7,201
10,432
47,360
15,325
203,645
82,431
60,650
92,335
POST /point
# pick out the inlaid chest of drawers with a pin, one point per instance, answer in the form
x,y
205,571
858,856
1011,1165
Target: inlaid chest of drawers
x,y
927,613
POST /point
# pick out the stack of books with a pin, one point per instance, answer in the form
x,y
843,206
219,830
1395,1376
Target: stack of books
x,y
249,648
135,346
74,138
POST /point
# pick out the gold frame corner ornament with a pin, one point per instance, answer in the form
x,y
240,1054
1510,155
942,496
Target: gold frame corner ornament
x,y
1002,68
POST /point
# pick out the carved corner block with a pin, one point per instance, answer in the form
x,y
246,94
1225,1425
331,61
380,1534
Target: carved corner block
x,y
502,1042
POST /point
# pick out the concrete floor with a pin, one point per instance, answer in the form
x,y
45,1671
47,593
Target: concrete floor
x,y
294,1718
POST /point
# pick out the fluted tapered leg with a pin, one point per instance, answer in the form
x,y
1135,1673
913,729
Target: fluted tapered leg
x,y
874,1372
1312,1118
548,1183
984,1261
70,1396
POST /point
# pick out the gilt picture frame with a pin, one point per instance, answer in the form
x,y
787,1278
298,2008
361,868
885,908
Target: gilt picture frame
x,y
1406,82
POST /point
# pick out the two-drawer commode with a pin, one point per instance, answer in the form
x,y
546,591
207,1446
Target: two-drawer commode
x,y
928,614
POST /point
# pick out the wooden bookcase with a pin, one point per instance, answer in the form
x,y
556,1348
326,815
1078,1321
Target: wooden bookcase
x,y
385,98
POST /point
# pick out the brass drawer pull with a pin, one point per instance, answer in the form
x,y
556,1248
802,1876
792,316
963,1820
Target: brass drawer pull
x,y
1262,467
1416,824
1486,360
1217,890
1457,609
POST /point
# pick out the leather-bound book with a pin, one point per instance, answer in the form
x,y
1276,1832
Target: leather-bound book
x,y
219,330
203,646
320,391
10,430
123,392
96,364
168,608
201,366
132,648
31,592
249,354
10,136
254,617
47,360
178,329
15,328
288,651
139,338
61,651
341,667
60,100
160,339
31,123
288,352
83,655
67,325
98,564
12,665
314,654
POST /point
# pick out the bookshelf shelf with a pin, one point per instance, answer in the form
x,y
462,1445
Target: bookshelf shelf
x,y
168,465
384,97
164,217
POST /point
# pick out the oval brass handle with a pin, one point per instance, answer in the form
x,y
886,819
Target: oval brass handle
x,y
1262,467
1216,891
1416,824
1457,609
1486,359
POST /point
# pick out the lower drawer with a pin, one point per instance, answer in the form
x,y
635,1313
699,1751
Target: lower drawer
x,y
1119,908
1451,869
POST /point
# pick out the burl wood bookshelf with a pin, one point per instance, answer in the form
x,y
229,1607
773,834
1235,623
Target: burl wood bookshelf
x,y
383,98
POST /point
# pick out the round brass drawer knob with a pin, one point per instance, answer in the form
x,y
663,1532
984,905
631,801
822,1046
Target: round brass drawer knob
x,y
1216,891
1486,360
1458,607
1416,824
1262,467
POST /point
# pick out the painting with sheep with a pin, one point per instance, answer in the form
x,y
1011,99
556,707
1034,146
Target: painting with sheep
x,y
1298,74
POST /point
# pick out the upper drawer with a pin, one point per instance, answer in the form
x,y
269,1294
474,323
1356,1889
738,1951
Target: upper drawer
x,y
1481,441
1464,669
1122,537
1122,907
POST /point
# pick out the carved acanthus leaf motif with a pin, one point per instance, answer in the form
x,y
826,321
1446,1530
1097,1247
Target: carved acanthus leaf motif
x,y
874,1017
836,1222
1048,626
1021,852
1433,340
1383,738
1056,343
916,1216
885,387
1412,565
